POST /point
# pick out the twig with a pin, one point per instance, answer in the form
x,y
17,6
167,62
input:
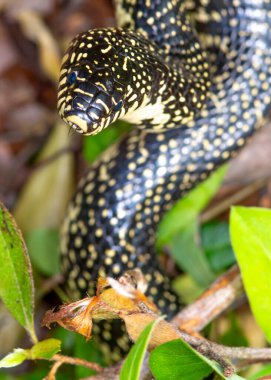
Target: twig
x,y
112,373
247,362
215,300
62,359
216,210
16,166
77,361
209,348
221,354
50,284
109,373
47,161
52,374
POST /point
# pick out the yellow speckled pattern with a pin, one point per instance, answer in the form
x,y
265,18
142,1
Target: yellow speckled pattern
x,y
157,76
130,78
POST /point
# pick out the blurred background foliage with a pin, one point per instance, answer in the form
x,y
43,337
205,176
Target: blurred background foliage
x,y
41,162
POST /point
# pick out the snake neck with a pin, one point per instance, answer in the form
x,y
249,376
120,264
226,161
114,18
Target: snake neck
x,y
182,90
173,99
164,22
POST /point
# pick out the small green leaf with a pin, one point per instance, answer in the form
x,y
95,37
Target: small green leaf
x,y
13,359
233,336
39,371
43,247
250,235
189,207
176,360
185,285
93,146
132,365
264,371
215,239
88,351
189,255
45,349
16,285
179,230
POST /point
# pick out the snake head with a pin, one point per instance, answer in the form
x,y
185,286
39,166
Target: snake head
x,y
95,80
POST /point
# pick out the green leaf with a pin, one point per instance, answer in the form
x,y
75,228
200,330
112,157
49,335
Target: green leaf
x,y
16,285
43,247
179,230
264,371
41,350
189,255
250,235
45,349
234,336
187,287
88,351
13,359
6,376
188,208
132,365
93,146
67,339
215,239
176,360
39,371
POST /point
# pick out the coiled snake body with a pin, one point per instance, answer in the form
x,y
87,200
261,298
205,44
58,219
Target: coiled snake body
x,y
187,123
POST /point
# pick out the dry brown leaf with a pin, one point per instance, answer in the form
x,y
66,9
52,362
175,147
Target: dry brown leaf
x,y
37,31
8,52
44,198
15,6
114,299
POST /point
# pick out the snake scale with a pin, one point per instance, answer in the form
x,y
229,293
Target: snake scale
x,y
194,99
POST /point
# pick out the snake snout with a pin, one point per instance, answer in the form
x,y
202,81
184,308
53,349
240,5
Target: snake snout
x,y
87,122
78,120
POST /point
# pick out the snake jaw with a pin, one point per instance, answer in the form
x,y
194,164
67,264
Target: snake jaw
x,y
82,126
78,124
90,120
88,113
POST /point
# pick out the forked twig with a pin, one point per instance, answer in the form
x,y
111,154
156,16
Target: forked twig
x,y
62,359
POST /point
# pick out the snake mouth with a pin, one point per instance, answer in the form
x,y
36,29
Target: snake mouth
x,y
75,127
81,123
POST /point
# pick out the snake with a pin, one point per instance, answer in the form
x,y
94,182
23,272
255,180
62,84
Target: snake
x,y
194,80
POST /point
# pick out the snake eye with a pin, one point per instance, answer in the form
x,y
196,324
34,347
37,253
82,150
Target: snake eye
x,y
118,106
72,77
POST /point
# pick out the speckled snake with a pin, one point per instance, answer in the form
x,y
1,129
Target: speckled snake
x,y
194,100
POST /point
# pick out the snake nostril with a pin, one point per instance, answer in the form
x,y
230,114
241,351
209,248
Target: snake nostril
x,y
109,85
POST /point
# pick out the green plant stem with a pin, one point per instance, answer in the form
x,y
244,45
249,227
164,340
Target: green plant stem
x,y
33,336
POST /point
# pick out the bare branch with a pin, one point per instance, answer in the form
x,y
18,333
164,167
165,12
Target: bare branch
x,y
215,300
62,359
